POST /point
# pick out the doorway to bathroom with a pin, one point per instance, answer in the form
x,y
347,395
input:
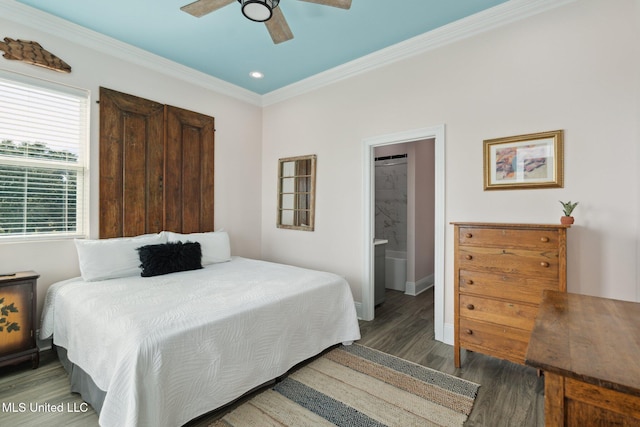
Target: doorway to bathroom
x,y
404,215
407,197
391,219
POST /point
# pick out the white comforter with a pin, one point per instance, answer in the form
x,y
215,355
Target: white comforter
x,y
169,348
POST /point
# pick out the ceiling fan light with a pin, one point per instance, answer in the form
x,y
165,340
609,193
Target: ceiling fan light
x,y
258,10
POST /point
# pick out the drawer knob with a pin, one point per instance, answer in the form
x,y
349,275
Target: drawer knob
x,y
544,239
468,235
470,306
469,282
469,257
469,332
544,264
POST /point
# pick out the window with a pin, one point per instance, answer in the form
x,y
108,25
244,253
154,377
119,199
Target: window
x,y
296,192
43,159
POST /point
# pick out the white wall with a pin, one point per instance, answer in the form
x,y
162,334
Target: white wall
x,y
238,152
574,68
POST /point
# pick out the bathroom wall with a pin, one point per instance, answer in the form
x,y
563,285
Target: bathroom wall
x,y
391,202
405,204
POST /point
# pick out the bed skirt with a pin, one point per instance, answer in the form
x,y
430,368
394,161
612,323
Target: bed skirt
x,y
81,382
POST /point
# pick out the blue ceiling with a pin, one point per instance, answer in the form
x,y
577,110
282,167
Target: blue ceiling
x,y
226,45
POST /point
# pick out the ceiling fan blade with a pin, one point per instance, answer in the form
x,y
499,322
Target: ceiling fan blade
x,y
278,28
202,7
342,4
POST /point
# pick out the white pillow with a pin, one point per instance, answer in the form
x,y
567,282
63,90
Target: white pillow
x,y
110,258
214,245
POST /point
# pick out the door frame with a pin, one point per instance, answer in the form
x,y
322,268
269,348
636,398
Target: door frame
x,y
436,133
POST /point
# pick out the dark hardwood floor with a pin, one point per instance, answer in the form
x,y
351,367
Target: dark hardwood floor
x,y
510,395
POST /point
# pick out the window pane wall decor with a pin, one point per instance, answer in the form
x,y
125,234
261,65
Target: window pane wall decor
x,y
296,192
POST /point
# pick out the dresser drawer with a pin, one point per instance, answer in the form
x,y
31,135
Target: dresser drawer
x,y
508,313
508,237
514,261
501,270
499,341
502,285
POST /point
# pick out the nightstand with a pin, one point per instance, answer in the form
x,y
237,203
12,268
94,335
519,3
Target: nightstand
x,y
18,318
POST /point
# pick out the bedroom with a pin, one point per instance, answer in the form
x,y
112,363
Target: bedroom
x,y
574,67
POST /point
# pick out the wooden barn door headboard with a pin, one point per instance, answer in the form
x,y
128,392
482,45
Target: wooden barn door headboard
x,y
156,167
188,171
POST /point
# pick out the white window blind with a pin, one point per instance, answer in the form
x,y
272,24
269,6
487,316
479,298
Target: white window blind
x,y
43,158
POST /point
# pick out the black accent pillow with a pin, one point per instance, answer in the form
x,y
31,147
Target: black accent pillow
x,y
169,258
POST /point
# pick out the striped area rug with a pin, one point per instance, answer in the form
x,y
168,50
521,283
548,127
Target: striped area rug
x,y
357,386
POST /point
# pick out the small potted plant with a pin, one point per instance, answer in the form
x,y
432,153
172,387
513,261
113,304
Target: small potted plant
x,y
567,208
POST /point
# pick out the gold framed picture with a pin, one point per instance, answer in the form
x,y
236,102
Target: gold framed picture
x,y
524,161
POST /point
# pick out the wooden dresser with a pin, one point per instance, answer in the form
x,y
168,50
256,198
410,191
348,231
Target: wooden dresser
x,y
18,318
588,348
500,273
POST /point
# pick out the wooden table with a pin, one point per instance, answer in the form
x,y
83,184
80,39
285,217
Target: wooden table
x,y
589,350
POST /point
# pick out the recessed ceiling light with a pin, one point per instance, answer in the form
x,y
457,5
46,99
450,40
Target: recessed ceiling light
x,y
256,74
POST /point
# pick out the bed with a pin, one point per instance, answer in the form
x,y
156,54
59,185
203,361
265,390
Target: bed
x,y
166,349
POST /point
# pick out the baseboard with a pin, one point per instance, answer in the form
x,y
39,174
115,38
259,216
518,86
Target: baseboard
x,y
43,344
448,334
358,309
416,288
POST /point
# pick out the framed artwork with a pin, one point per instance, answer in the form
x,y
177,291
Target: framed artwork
x,y
524,161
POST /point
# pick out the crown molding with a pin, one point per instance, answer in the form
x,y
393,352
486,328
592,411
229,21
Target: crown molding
x,y
38,20
497,16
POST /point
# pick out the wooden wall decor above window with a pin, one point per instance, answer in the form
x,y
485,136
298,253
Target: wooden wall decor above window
x,y
32,53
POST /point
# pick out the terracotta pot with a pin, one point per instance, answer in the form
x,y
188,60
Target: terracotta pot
x,y
566,220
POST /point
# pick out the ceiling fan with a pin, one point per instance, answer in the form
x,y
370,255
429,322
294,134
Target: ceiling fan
x,y
266,11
